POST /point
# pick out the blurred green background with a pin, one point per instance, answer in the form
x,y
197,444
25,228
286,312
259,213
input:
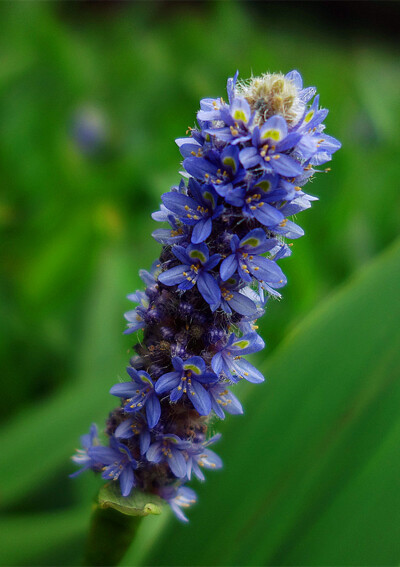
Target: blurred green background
x,y
92,96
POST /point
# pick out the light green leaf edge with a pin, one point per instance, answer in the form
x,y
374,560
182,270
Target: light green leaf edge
x,y
137,504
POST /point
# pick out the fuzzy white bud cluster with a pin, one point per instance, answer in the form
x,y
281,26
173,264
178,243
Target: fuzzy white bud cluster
x,y
271,94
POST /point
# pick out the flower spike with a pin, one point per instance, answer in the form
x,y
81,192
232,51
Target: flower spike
x,y
246,166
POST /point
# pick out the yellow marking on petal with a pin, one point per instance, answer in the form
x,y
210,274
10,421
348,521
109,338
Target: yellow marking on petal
x,y
193,368
272,134
264,185
239,115
242,344
309,115
251,242
230,162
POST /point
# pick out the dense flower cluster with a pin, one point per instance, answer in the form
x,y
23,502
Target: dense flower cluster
x,y
245,167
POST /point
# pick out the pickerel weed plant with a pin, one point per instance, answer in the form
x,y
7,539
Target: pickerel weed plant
x,y
245,169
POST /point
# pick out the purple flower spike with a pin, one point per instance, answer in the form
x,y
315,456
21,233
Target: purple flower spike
x,y
227,223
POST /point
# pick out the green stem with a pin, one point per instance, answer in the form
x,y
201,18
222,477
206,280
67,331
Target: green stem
x,y
110,536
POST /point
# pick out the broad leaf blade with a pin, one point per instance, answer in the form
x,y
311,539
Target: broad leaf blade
x,y
314,442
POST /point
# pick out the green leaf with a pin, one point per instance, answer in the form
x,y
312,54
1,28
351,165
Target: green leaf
x,y
311,469
137,504
35,539
43,437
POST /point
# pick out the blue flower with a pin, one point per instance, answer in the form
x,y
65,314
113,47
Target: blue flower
x,y
139,393
82,457
195,267
270,145
198,211
234,298
169,448
229,359
135,426
223,400
187,378
177,498
199,456
118,463
247,262
136,317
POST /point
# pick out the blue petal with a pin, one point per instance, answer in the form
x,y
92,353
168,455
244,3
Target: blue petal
x,y
286,166
103,455
200,398
295,77
153,411
240,110
124,390
207,378
208,288
289,142
217,407
197,471
124,430
234,407
267,215
266,270
212,262
201,231
217,363
177,363
177,203
247,344
174,275
126,480
167,382
290,230
275,129
154,453
145,439
176,394
210,460
200,168
242,304
228,267
196,364
133,373
247,371
180,253
177,463
249,157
